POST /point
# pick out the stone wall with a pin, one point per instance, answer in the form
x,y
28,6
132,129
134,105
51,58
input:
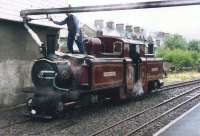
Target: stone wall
x,y
17,52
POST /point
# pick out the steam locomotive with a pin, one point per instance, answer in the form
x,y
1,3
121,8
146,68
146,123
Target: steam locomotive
x,y
112,67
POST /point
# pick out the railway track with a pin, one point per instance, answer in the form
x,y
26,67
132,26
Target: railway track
x,y
127,124
162,89
167,87
176,85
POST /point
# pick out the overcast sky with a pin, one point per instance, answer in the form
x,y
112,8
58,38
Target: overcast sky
x,y
183,20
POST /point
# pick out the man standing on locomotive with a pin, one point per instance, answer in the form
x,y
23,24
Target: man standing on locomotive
x,y
74,32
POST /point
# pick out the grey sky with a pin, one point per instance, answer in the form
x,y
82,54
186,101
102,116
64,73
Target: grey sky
x,y
183,20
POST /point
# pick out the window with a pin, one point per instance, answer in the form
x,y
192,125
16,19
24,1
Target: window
x,y
117,47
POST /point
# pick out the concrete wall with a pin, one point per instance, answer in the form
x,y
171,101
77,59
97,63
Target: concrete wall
x,y
17,52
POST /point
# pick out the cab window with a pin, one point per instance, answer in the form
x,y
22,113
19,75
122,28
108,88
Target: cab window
x,y
117,47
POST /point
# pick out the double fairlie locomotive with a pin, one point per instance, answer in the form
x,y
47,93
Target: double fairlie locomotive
x,y
112,67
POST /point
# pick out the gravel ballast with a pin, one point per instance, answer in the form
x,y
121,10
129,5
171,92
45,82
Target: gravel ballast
x,y
85,121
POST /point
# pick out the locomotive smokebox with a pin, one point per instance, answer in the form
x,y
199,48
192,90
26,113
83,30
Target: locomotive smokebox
x,y
45,71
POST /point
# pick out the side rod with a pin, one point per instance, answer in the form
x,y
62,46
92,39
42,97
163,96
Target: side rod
x,y
128,6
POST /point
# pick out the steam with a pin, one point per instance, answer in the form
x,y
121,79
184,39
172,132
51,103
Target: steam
x,y
111,32
138,90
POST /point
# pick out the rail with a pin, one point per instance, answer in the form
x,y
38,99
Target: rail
x,y
147,110
163,114
176,85
133,116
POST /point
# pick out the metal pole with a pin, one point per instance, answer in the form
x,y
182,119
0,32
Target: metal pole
x,y
33,35
36,38
128,6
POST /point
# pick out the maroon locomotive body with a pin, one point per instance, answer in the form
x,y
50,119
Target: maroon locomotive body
x,y
123,63
112,67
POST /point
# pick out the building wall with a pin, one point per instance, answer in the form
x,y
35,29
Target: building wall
x,y
17,52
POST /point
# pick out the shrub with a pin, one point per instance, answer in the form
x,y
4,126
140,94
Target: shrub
x,y
177,57
175,51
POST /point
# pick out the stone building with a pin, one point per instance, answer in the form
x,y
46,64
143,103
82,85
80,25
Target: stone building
x,y
18,50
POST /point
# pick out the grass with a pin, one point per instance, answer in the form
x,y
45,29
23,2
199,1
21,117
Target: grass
x,y
181,76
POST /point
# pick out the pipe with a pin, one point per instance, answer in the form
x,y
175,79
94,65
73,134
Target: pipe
x,y
59,88
128,6
33,35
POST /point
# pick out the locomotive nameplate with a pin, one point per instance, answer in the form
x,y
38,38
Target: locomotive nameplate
x,y
109,74
154,69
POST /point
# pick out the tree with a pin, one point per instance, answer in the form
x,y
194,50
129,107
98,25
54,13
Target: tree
x,y
175,42
179,52
177,57
194,46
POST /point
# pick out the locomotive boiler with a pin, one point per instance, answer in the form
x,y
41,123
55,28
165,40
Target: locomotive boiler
x,y
112,67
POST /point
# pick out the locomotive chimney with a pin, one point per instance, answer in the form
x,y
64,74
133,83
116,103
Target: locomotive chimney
x,y
129,28
137,29
142,34
139,33
110,25
120,28
99,24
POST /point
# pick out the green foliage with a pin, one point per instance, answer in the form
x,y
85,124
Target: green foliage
x,y
196,57
179,52
175,42
194,45
177,57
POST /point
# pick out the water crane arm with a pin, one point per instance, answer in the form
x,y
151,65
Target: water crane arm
x,y
33,35
36,39
128,6
137,5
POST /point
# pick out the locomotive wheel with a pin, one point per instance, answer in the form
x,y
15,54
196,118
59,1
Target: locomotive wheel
x,y
156,85
60,107
153,85
150,87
